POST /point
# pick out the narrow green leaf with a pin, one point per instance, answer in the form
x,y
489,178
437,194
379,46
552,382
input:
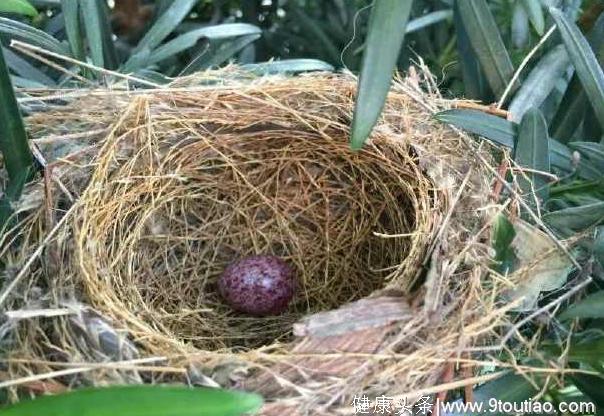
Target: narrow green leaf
x,y
587,351
24,69
96,25
592,386
310,25
510,388
503,234
384,40
576,218
474,82
575,107
540,82
18,159
18,7
536,15
593,151
570,112
73,29
532,152
585,62
139,401
290,66
428,20
164,25
487,43
590,307
503,132
29,34
189,39
219,53
598,245
494,128
520,26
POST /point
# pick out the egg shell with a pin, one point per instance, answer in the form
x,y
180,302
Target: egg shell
x,y
258,285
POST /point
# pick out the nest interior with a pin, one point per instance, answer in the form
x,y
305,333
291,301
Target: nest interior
x,y
157,191
176,196
157,230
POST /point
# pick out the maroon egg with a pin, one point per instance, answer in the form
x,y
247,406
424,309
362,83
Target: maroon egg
x,y
258,285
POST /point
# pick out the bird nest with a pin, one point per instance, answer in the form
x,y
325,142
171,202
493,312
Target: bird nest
x,y
148,195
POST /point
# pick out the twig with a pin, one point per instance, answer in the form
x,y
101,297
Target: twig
x,y
490,109
523,64
126,365
16,43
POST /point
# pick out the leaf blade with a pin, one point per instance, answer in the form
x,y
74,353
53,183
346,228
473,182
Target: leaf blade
x,y
386,34
139,400
591,306
18,159
487,43
164,25
532,152
189,39
494,128
73,29
18,7
32,35
540,82
585,62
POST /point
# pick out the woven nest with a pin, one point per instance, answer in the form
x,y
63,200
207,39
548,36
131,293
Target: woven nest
x,y
149,195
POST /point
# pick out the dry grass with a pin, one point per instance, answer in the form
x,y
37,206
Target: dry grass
x,y
165,187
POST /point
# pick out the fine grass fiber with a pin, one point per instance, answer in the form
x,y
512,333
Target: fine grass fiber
x,y
154,192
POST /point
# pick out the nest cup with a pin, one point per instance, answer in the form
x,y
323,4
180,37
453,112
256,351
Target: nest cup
x,y
176,184
157,231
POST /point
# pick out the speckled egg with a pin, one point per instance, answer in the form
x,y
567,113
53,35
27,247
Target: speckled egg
x,y
258,285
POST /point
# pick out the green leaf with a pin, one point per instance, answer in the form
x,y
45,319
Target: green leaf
x,y
532,152
18,159
502,237
474,83
585,62
590,351
570,111
494,128
220,53
18,7
25,70
290,66
591,386
540,82
593,151
591,306
73,29
163,26
29,34
503,132
384,40
508,389
535,13
310,25
487,43
189,39
520,26
576,218
428,20
139,401
96,25
598,245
